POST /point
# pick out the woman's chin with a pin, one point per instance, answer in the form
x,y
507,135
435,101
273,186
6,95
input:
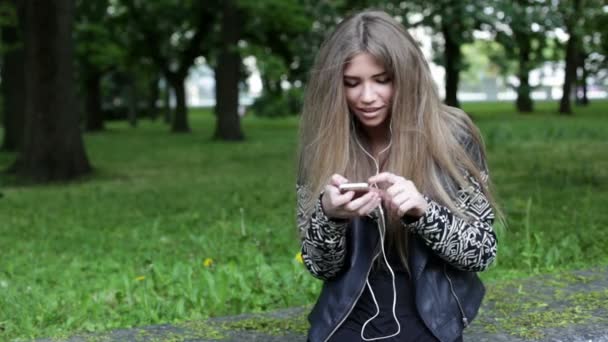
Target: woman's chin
x,y
371,122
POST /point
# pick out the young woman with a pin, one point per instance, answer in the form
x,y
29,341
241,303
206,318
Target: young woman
x,y
398,260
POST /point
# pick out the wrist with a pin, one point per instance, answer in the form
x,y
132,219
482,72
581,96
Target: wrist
x,y
417,212
327,213
324,207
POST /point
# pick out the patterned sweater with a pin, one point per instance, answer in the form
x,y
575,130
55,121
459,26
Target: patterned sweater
x,y
468,245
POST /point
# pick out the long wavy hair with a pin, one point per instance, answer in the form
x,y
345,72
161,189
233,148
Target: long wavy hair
x,y
432,143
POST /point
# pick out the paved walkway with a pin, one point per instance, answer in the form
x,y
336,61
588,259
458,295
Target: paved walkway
x,y
569,307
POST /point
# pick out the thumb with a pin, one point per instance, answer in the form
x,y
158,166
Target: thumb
x,y
338,179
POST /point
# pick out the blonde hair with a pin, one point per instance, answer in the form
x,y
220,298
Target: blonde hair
x,y
432,144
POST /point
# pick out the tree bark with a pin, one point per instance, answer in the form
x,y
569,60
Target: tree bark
x,y
180,115
94,114
453,58
228,126
524,102
13,84
132,107
52,148
153,99
583,100
168,115
565,106
176,69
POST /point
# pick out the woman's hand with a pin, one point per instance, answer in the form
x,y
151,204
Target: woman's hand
x,y
401,196
339,205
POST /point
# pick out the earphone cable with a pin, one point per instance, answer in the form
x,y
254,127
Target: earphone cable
x,y
382,232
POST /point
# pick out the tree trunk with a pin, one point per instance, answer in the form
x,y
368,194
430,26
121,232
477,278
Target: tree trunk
x,y
153,98
583,100
228,126
94,114
131,96
167,102
13,84
565,106
524,102
180,115
453,57
52,146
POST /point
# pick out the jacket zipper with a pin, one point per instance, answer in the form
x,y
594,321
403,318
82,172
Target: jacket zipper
x,y
465,321
354,302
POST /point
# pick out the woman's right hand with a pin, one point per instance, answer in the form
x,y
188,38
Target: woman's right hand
x,y
339,205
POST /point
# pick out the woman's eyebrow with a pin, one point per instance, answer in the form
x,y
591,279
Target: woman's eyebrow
x,y
384,73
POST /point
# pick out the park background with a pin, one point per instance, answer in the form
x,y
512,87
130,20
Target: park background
x,y
127,200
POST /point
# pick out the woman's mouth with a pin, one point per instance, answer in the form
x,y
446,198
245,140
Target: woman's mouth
x,y
369,110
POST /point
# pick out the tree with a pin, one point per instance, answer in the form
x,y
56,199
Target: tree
x,y
593,53
13,74
454,21
52,147
271,30
285,50
227,75
98,52
523,34
572,17
267,30
171,34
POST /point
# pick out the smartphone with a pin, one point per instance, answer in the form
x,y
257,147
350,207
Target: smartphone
x,y
356,187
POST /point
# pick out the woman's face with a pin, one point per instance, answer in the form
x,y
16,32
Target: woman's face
x,y
369,90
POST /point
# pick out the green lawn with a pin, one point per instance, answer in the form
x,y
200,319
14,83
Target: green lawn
x,y
127,246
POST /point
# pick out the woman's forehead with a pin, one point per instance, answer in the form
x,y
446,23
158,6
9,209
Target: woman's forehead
x,y
363,63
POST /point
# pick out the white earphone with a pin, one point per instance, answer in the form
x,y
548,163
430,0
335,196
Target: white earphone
x,y
382,231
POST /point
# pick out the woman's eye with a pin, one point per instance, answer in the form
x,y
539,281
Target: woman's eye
x,y
350,84
384,80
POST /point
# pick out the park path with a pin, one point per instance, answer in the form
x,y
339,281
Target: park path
x,y
566,307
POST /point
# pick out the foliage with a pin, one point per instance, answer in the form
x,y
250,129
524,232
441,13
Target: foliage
x,y
456,19
105,52
95,33
522,27
325,15
8,18
167,32
289,103
481,53
130,246
274,33
595,40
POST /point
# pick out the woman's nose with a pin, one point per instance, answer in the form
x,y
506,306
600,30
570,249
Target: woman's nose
x,y
368,93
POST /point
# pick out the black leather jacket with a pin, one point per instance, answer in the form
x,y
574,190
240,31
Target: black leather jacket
x,y
447,299
445,250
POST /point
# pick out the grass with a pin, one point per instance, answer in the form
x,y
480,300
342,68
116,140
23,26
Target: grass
x,y
172,228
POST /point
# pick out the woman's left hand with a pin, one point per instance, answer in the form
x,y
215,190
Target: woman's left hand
x,y
402,195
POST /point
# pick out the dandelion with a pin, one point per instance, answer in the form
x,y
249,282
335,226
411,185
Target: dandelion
x,y
208,262
299,258
140,278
